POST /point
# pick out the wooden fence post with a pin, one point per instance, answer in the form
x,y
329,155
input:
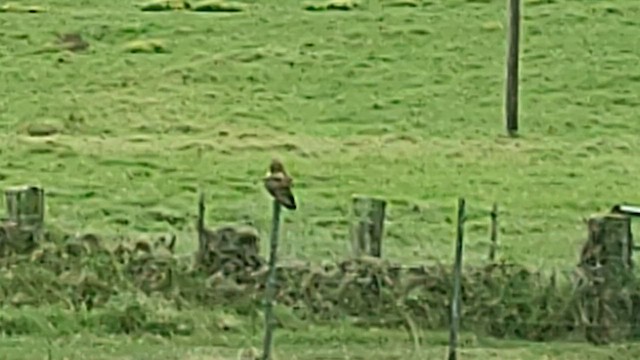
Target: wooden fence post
x,y
457,274
494,233
269,322
368,226
511,91
606,261
200,223
25,205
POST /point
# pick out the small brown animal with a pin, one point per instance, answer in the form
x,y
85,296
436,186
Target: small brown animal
x,y
278,183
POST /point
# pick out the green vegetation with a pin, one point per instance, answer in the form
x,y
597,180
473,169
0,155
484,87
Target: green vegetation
x,y
401,102
399,99
315,343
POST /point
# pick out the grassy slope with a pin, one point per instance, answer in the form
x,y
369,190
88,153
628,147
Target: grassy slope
x,y
399,102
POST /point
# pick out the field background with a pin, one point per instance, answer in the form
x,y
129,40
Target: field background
x,y
399,102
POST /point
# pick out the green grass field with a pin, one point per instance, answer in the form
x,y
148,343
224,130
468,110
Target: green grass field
x,y
150,348
222,336
402,102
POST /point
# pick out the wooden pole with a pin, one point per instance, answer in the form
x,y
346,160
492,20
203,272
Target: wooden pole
x,y
269,322
511,93
200,223
368,226
494,233
457,274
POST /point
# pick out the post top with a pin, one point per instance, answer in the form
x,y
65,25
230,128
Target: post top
x,y
22,188
618,216
631,210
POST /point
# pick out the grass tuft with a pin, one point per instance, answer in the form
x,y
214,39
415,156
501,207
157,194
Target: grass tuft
x,y
402,3
147,46
218,6
165,5
13,7
342,5
43,128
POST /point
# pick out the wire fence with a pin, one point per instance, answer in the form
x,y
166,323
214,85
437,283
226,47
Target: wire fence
x,y
419,233
600,297
503,297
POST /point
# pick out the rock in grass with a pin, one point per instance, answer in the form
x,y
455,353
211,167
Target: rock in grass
x,y
165,5
149,46
218,6
343,5
20,8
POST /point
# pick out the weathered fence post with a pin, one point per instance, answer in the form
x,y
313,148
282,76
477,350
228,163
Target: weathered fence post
x,y
25,205
511,91
457,274
25,208
200,223
606,261
631,211
494,232
269,322
368,226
